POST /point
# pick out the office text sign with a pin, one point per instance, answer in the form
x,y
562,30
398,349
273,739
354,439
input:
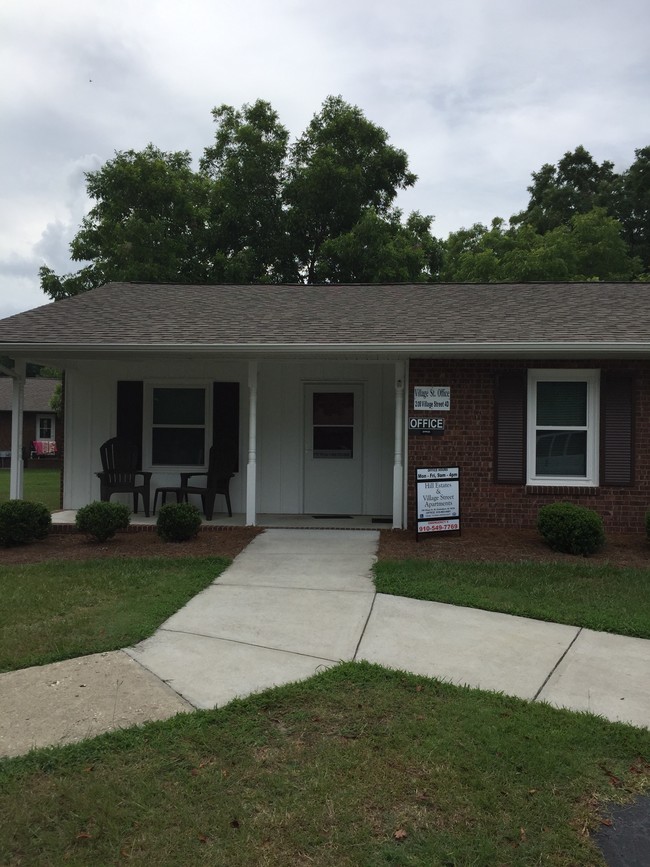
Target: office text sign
x,y
432,397
437,499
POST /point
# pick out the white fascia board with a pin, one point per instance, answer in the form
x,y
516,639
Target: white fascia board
x,y
519,349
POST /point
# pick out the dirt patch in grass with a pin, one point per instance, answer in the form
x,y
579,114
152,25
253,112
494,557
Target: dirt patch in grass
x,y
502,545
75,546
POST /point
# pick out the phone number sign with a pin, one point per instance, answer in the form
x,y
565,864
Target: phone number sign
x,y
437,499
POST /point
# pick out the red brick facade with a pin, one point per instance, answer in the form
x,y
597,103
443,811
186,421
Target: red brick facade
x,y
469,437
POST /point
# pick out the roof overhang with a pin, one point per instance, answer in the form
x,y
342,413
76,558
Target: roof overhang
x,y
524,349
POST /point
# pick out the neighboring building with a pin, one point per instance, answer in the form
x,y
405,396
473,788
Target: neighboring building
x,y
39,420
538,392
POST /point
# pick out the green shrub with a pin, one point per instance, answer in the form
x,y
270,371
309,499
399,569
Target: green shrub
x,y
178,522
101,520
22,522
571,529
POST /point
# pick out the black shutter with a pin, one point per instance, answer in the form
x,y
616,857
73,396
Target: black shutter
x,y
225,420
510,428
616,429
130,395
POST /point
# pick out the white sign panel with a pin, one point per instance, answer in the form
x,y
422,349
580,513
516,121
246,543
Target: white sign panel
x,y
437,499
432,397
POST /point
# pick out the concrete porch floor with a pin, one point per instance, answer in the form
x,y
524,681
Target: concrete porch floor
x,y
300,522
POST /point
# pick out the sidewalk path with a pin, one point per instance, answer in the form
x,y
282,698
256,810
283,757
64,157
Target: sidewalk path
x,y
295,602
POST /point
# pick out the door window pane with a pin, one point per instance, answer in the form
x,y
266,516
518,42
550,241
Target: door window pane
x,y
333,424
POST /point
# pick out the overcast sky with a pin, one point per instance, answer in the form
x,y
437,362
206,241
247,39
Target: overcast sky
x,y
479,94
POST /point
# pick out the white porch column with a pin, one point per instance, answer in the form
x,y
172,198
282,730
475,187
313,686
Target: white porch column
x,y
251,466
398,460
17,408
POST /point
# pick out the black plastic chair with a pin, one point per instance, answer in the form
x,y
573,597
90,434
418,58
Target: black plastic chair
x,y
221,469
120,469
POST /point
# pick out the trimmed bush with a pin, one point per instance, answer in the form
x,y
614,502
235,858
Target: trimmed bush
x,y
178,522
22,522
101,520
571,529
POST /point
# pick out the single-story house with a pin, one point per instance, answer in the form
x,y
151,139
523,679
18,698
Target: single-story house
x,y
39,441
331,397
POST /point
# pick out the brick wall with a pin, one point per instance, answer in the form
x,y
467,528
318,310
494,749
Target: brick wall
x,y
468,442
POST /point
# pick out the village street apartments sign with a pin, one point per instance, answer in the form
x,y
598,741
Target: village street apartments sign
x,y
438,499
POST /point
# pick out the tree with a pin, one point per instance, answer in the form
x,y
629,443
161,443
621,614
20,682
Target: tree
x,y
382,250
576,186
256,210
633,205
589,247
246,166
341,167
149,223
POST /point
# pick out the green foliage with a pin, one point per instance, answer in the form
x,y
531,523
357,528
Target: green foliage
x,y
583,592
65,608
570,528
256,211
589,247
101,520
22,522
178,522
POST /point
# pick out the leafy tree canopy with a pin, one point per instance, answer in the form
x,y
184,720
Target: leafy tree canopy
x,y
257,209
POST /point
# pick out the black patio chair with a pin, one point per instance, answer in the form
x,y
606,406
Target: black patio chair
x,y
221,469
120,469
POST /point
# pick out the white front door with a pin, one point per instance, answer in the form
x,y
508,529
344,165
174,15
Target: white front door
x,y
333,479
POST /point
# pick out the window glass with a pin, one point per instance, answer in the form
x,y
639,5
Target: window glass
x,y
563,427
173,446
178,427
179,406
561,453
562,404
333,424
45,428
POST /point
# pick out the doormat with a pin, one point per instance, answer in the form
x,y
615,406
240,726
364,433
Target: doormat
x,y
382,520
332,517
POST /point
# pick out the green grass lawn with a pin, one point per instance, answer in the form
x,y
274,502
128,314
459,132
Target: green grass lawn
x,y
60,609
358,766
599,597
40,486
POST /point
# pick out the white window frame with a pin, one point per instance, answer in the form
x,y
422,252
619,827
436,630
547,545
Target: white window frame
x,y
147,457
52,419
591,377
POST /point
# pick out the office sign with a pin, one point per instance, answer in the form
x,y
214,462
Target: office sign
x,y
437,499
432,397
426,425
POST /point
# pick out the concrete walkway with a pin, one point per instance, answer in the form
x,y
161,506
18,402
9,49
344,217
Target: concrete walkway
x,y
296,602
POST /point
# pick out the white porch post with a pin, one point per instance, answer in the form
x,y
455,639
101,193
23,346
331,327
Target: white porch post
x,y
251,467
17,407
398,460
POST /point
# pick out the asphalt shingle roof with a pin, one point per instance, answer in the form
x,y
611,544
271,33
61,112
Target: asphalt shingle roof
x,y
38,393
124,314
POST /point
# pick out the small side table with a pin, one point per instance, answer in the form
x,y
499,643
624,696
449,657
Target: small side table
x,y
178,493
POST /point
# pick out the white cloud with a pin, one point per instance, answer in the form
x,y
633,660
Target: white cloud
x,y
479,95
